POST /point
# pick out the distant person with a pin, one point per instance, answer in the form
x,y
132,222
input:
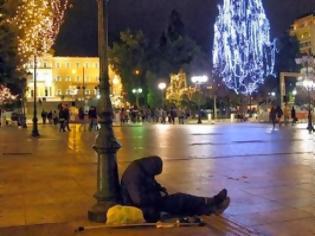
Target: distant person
x,y
122,116
140,189
67,117
62,119
55,117
73,112
50,117
279,113
44,116
286,114
293,116
273,116
92,118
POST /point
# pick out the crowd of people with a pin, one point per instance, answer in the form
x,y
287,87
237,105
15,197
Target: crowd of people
x,y
158,115
279,116
65,114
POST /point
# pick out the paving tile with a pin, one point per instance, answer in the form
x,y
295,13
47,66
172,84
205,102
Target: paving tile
x,y
268,217
303,227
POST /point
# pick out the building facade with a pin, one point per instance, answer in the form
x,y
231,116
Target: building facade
x,y
304,29
70,79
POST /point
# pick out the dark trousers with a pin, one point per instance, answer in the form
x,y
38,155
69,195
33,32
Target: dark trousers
x,y
179,204
186,204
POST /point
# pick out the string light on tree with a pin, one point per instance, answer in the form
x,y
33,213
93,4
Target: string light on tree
x,y
38,23
6,96
243,54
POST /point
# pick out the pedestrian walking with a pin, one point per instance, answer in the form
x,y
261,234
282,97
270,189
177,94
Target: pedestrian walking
x,y
286,114
44,116
50,117
81,117
181,116
273,116
293,116
122,116
67,117
279,113
140,189
62,119
55,117
92,118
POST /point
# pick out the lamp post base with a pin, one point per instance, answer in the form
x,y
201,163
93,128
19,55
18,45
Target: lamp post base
x,y
35,132
199,120
97,213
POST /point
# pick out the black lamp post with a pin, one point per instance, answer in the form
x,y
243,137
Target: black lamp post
x,y
199,80
106,145
307,81
35,132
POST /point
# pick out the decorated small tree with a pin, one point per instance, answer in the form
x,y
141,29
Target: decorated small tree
x,y
37,23
243,54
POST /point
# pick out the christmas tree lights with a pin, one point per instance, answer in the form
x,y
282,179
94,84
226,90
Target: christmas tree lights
x,y
243,54
6,96
37,23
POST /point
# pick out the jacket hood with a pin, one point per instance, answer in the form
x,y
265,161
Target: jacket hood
x,y
152,165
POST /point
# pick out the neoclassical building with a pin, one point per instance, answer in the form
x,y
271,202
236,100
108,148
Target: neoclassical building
x,y
70,79
304,29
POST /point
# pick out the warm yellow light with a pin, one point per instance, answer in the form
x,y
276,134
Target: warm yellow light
x,y
137,72
115,80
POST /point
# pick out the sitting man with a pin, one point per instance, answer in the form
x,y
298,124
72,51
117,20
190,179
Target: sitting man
x,y
140,189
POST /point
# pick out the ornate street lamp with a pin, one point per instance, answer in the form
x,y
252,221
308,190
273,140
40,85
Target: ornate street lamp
x,y
162,87
106,145
307,81
198,81
35,132
137,92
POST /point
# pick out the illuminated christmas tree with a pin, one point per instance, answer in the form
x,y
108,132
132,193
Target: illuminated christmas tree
x,y
243,54
37,23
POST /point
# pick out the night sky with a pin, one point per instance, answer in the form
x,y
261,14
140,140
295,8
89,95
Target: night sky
x,y
78,36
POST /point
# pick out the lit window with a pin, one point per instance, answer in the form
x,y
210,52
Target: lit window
x,y
78,65
78,78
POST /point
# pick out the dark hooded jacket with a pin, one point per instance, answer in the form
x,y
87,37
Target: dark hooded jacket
x,y
138,185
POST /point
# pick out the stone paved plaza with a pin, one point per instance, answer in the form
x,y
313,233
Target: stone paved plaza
x,y
46,184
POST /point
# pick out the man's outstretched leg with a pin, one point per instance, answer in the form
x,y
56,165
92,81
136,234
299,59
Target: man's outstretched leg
x,y
188,205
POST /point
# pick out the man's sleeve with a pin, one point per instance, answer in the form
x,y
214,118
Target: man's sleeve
x,y
135,194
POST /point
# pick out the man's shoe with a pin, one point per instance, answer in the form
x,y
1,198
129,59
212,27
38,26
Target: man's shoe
x,y
220,197
222,207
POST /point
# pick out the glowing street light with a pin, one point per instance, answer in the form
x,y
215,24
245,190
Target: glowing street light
x,y
198,81
137,92
294,92
162,87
